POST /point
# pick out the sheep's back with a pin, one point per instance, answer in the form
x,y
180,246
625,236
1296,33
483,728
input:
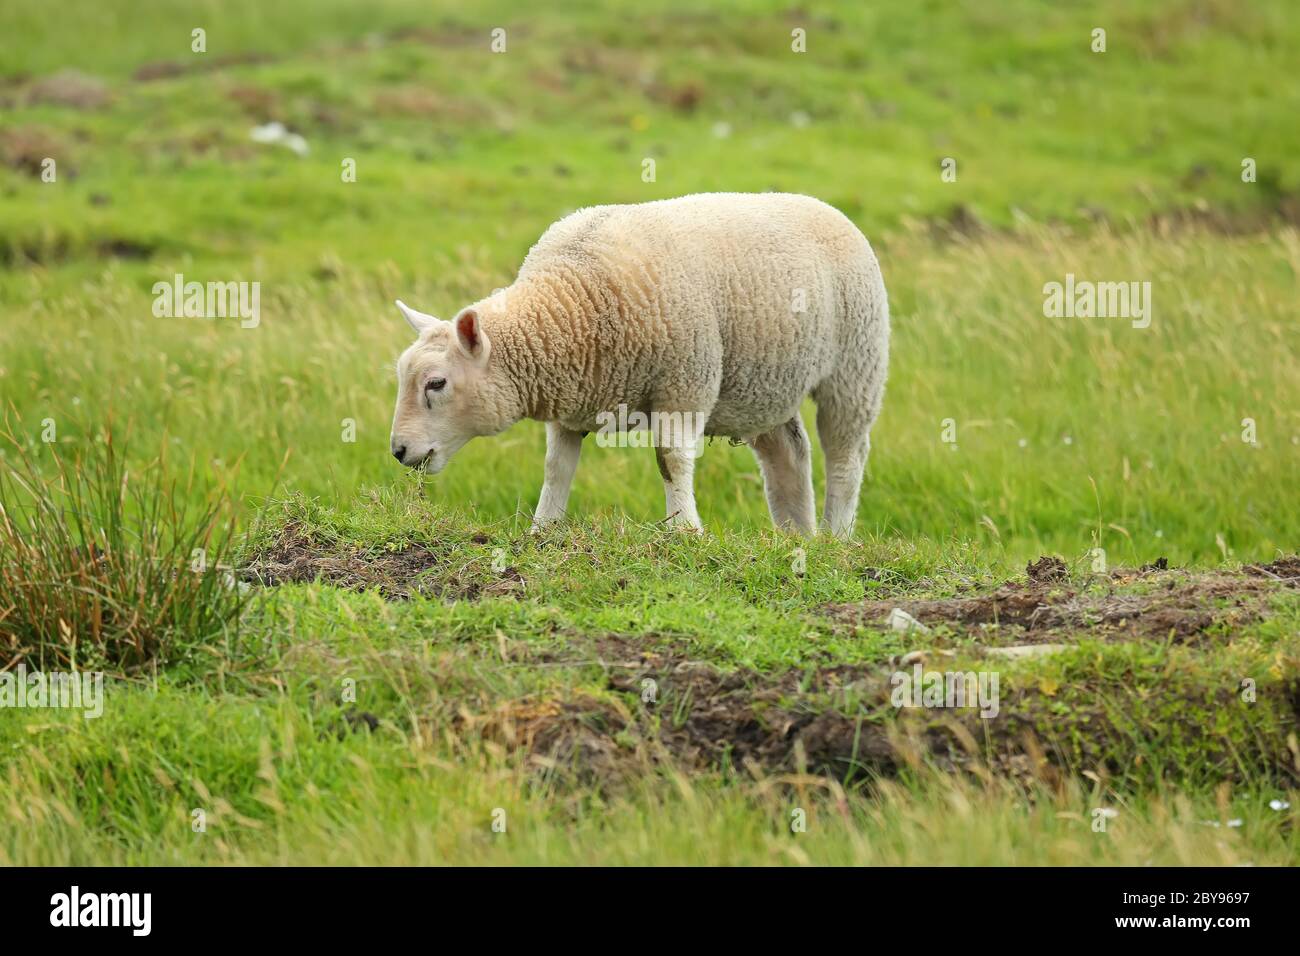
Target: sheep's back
x,y
758,292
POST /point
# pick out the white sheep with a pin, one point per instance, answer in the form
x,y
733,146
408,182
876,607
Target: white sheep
x,y
715,313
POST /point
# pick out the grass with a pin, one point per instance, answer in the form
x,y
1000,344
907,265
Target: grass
x,y
106,567
1132,439
482,668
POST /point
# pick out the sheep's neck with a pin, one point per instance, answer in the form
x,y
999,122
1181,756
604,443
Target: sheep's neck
x,y
541,341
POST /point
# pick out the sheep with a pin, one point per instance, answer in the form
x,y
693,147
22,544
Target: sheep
x,y
717,313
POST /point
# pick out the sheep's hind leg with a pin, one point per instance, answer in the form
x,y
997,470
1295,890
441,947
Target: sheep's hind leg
x,y
844,434
562,450
785,458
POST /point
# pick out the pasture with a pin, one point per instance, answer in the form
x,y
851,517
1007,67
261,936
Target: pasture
x,y
369,665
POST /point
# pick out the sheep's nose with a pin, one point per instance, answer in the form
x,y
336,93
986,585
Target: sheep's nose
x,y
400,453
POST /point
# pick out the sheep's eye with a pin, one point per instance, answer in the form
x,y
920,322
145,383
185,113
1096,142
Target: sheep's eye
x,y
435,385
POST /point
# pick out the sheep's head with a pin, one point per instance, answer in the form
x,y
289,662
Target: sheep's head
x,y
445,395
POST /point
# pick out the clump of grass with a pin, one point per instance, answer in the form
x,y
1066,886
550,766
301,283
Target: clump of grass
x,y
104,565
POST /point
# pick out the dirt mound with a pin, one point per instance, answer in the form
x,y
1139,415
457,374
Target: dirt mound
x,y
652,705
295,557
1184,606
1284,569
26,148
170,69
672,710
657,707
70,88
1047,569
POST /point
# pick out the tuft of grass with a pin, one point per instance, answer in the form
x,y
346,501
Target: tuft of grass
x,y
103,564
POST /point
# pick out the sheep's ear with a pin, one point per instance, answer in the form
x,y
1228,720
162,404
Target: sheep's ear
x,y
417,320
469,335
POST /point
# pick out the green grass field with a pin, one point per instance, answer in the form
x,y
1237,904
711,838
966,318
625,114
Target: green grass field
x,y
402,674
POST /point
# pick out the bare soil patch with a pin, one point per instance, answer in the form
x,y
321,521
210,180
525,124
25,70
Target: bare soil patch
x,y
297,558
1285,570
70,88
1184,606
26,148
170,69
668,709
659,708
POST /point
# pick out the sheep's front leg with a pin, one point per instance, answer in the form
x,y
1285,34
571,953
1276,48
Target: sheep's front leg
x,y
676,450
562,450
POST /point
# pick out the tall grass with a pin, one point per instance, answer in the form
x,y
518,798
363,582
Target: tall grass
x,y
103,564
